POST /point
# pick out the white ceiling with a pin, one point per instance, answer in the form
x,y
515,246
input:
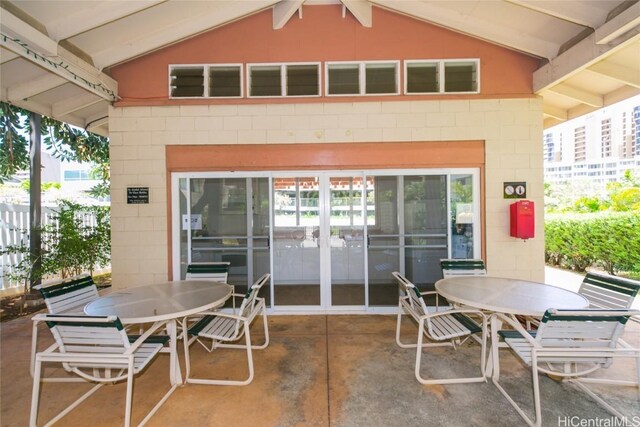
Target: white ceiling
x,y
55,55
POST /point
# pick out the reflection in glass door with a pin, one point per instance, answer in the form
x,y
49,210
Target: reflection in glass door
x,y
296,241
226,219
346,224
406,233
330,239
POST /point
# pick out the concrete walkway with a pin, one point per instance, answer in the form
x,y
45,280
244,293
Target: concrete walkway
x,y
318,371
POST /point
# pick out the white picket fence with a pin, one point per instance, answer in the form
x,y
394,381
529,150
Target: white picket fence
x,y
14,226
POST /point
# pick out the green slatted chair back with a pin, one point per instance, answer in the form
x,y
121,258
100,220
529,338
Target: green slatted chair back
x,y
216,271
411,294
88,334
249,301
581,329
609,292
462,267
69,295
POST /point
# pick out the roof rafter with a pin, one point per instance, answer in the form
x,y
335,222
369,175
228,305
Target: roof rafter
x,y
584,54
16,28
34,87
361,10
283,11
207,16
618,25
70,105
60,62
7,55
473,26
555,112
95,121
101,13
586,15
580,95
626,75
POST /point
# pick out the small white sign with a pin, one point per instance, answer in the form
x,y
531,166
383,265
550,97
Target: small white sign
x,y
196,222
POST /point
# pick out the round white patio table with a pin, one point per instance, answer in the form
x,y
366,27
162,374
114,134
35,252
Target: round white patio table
x,y
510,296
162,302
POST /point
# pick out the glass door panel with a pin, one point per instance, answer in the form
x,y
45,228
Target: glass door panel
x,y
226,220
296,241
346,225
383,245
462,217
219,224
425,227
258,251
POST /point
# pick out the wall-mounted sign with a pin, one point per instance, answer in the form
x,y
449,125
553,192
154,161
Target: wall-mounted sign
x,y
515,190
137,195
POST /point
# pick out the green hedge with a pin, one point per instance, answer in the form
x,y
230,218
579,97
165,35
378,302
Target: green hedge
x,y
610,240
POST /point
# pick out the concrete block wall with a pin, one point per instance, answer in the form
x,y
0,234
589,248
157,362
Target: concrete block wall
x,y
511,129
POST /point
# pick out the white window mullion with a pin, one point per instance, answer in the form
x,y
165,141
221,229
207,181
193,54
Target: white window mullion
x,y
205,80
362,78
283,80
441,77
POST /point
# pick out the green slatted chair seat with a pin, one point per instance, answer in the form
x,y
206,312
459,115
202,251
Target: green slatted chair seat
x,y
604,291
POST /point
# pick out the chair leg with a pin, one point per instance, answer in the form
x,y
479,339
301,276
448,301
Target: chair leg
x,y
35,394
536,392
247,335
398,326
187,359
422,380
129,398
35,397
34,346
266,331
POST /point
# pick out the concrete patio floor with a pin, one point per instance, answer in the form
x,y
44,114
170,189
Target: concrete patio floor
x,y
339,370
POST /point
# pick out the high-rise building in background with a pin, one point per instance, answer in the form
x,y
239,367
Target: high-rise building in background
x,y
598,147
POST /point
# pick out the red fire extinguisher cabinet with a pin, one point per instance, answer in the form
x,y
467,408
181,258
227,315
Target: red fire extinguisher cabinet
x,y
522,219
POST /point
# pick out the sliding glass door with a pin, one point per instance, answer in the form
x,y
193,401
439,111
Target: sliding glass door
x,y
329,239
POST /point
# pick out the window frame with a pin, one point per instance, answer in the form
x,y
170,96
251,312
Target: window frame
x,y
441,75
205,82
362,77
207,86
283,79
204,78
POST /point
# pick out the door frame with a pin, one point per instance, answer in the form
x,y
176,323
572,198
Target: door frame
x,y
325,273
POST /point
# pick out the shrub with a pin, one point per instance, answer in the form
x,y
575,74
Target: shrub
x,y
78,240
608,240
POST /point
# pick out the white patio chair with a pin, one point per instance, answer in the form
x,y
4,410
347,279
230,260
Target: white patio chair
x,y
442,328
97,350
462,267
68,296
569,345
609,292
223,329
216,271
